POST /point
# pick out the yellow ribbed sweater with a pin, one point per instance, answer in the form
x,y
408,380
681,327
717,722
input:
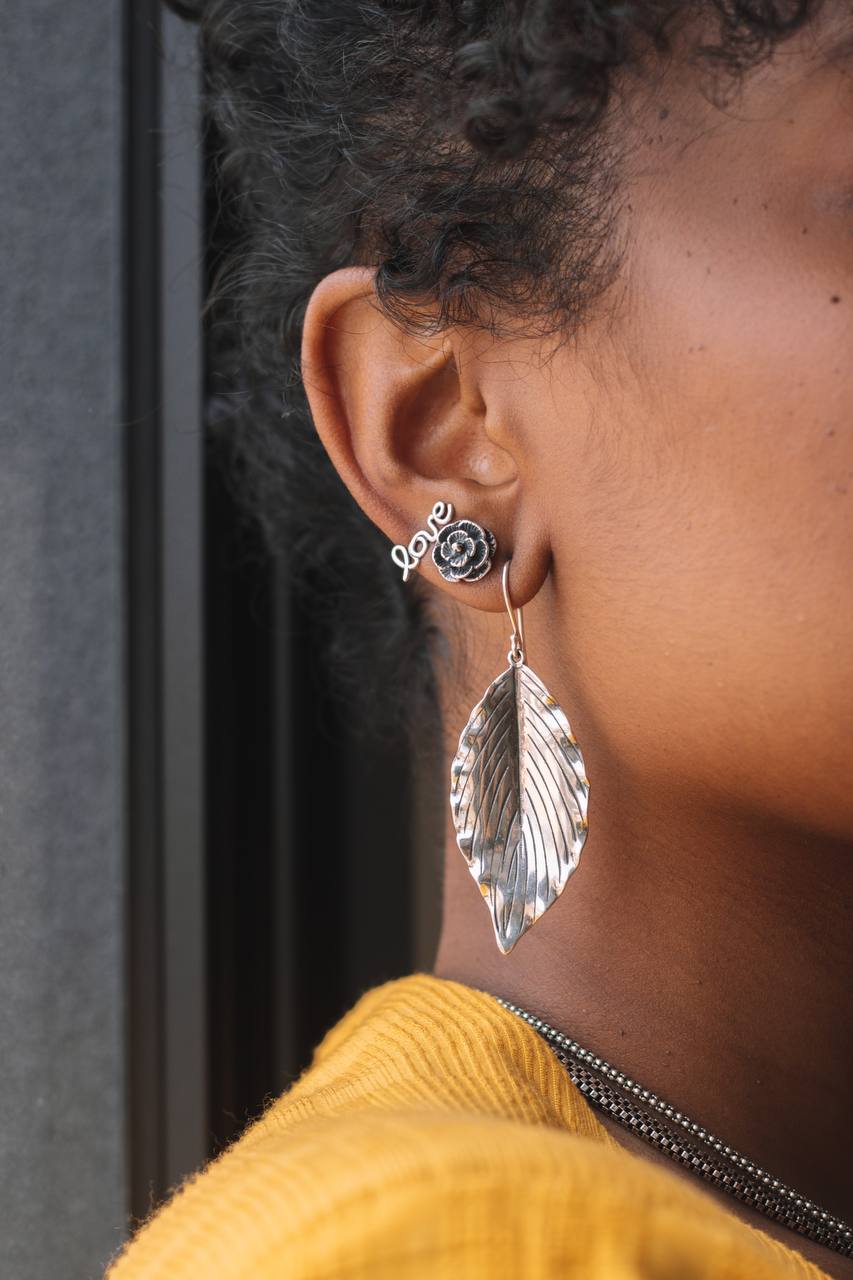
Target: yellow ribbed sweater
x,y
436,1135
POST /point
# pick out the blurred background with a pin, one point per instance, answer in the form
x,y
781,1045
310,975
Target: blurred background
x,y
202,862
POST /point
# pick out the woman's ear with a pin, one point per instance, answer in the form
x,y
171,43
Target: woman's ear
x,y
410,420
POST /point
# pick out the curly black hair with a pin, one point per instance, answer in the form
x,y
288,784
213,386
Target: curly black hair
x,y
456,146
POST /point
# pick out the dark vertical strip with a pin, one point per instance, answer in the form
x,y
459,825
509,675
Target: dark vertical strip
x,y
239,845
241,644
288,1057
167,1031
379,856
322,840
181,458
146,1049
428,799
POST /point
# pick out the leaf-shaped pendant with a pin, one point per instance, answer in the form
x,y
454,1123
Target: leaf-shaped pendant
x,y
519,796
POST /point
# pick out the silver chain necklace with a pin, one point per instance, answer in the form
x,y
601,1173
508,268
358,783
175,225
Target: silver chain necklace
x,y
686,1142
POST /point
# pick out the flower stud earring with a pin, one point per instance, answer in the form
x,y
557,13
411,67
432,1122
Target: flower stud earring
x,y
463,551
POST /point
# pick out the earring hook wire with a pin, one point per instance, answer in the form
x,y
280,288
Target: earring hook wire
x,y
516,651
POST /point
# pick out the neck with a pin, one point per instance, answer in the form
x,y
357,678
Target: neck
x,y
708,959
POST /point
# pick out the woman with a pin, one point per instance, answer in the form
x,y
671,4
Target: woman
x,y
583,273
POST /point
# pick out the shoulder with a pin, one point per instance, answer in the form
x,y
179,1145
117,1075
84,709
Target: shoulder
x,y
436,1136
410,1194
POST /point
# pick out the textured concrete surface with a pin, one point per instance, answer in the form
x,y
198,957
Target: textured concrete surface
x,y
62,1191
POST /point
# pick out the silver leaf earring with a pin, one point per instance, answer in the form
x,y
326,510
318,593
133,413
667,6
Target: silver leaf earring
x,y
519,793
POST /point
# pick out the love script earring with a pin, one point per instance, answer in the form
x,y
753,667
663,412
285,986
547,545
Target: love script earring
x,y
518,794
408,558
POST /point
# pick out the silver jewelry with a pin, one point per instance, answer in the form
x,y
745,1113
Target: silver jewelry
x,y
408,558
686,1142
463,551
518,794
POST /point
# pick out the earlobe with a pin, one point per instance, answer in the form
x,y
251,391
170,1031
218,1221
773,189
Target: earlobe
x,y
403,417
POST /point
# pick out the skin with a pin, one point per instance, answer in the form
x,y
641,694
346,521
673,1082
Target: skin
x,y
674,487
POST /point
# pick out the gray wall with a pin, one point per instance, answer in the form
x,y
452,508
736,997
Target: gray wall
x,y
62,1179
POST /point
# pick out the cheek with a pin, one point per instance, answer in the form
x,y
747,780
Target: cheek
x,y
718,526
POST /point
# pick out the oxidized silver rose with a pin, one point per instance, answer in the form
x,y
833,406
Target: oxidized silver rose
x,y
463,551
